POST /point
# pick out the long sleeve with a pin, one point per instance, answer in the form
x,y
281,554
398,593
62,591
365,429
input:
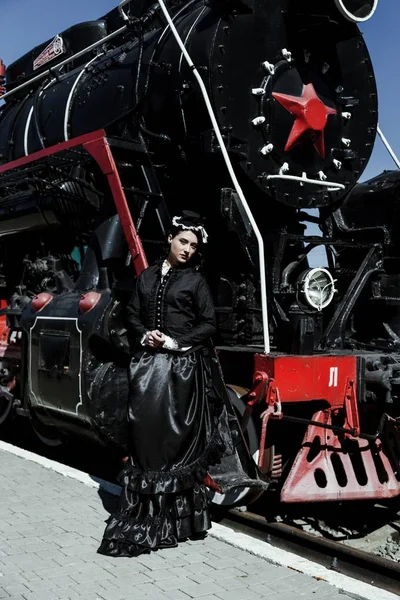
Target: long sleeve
x,y
206,326
133,313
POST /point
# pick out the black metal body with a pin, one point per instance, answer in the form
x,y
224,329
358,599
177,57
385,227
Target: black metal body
x,y
60,233
145,74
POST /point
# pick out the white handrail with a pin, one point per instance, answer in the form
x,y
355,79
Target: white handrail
x,y
108,37
332,185
29,119
388,147
231,171
26,132
71,94
121,10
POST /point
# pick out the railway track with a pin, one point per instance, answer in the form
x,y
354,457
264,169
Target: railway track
x,y
361,565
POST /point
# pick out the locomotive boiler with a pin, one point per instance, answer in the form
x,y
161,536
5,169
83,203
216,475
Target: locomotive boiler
x,y
261,116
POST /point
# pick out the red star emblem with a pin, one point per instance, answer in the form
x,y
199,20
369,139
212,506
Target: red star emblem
x,y
310,113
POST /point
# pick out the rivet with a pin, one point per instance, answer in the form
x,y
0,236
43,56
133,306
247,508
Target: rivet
x,y
286,54
267,149
258,121
284,168
258,91
269,67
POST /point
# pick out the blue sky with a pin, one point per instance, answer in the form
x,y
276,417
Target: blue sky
x,y
26,23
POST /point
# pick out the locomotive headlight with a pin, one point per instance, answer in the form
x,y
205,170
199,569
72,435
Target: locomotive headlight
x,y
318,287
357,11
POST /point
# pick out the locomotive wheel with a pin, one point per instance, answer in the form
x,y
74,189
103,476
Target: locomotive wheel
x,y
47,434
242,496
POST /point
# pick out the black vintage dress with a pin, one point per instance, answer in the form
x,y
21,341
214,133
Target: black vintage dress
x,y
177,418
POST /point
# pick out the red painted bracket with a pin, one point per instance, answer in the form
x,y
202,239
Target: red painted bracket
x,y
97,146
101,152
259,388
351,408
274,411
256,394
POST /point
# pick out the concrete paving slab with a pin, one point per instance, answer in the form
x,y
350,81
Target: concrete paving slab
x,y
49,538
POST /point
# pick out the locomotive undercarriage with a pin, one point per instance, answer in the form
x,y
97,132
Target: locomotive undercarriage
x,y
64,338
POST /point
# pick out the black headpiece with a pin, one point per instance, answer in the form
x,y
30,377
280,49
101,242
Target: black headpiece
x,y
191,221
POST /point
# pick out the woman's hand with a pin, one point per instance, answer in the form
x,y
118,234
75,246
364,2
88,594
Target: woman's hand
x,y
155,339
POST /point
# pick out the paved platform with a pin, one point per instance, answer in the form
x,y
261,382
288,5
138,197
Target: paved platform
x,y
51,525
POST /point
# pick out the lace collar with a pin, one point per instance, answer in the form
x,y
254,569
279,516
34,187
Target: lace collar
x,y
165,267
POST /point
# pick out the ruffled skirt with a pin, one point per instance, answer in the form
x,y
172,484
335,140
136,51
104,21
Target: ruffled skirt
x,y
178,429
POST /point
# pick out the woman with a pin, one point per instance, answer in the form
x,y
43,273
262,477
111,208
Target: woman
x,y
177,419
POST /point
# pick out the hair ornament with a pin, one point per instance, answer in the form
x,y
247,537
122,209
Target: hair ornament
x,y
191,221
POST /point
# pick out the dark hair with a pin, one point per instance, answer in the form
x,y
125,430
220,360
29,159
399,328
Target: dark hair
x,y
176,229
189,221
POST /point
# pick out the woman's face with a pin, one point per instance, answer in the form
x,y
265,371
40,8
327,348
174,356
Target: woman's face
x,y
182,247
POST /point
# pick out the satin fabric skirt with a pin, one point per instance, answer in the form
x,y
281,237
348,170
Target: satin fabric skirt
x,y
178,428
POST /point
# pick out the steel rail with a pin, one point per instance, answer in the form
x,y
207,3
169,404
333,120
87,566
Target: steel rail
x,y
375,570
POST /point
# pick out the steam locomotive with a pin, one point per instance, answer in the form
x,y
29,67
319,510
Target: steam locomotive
x,y
261,116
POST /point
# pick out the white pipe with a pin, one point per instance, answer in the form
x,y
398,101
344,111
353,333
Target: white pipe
x,y
71,94
121,11
231,171
388,147
29,119
26,134
65,62
189,33
332,185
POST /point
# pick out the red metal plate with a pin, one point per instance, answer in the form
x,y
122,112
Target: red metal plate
x,y
306,378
